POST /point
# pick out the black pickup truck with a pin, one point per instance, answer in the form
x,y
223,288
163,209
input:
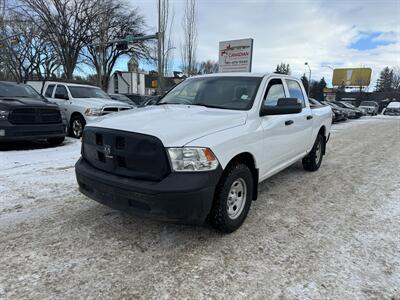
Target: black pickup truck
x,y
26,115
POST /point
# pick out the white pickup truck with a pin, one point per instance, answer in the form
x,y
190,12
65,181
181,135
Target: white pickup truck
x,y
199,154
80,103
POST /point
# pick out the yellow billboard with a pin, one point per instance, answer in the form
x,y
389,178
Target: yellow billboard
x,y
352,76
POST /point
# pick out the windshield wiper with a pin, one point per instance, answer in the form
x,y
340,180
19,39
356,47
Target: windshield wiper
x,y
209,106
165,103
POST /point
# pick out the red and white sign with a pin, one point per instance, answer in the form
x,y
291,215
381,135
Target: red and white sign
x,y
235,56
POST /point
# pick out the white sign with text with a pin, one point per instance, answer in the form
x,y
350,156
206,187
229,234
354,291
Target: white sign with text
x,y
235,56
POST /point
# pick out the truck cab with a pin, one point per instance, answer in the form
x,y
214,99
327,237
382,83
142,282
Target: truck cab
x,y
200,152
81,103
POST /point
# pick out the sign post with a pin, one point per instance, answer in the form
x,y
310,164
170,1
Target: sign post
x,y
236,55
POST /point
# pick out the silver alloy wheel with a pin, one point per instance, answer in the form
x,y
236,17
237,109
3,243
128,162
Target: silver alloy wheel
x,y
318,152
236,198
77,128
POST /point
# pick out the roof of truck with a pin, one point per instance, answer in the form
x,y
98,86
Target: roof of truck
x,y
243,74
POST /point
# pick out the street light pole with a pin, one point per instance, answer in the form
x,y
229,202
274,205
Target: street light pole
x,y
309,78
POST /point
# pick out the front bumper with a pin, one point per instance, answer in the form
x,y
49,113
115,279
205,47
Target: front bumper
x,y
13,132
180,197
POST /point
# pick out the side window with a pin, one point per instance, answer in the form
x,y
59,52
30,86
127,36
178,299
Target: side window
x,y
295,91
275,91
61,92
49,91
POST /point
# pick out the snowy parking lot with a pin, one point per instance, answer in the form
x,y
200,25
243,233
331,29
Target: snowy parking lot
x,y
333,234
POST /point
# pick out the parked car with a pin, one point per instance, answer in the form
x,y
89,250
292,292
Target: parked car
x,y
136,98
336,116
26,115
358,112
393,109
371,107
349,105
122,98
81,103
209,143
346,113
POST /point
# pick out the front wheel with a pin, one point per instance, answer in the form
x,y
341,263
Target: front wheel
x,y
76,126
313,160
232,198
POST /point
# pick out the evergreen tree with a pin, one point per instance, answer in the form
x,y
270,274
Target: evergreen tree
x,y
282,68
385,81
305,82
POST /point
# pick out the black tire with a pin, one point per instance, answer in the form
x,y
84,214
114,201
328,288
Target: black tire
x,y
56,141
313,160
76,121
219,216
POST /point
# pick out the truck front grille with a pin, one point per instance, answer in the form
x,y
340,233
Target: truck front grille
x,y
125,153
35,116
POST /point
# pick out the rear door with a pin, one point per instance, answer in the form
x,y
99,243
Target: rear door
x,y
302,126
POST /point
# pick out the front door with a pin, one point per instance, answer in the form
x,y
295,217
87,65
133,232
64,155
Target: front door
x,y
276,138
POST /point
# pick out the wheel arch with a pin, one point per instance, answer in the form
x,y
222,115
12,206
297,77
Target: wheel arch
x,y
74,114
322,131
249,160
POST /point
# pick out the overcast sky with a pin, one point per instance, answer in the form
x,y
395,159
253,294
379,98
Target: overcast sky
x,y
336,33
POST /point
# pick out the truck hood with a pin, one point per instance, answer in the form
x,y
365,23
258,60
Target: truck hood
x,y
174,125
15,102
100,102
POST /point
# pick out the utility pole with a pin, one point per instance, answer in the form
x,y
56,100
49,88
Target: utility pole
x,y
160,43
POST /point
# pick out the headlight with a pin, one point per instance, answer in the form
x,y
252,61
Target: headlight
x,y
93,112
192,159
4,114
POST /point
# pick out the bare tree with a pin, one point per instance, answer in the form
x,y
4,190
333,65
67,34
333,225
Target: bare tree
x,y
116,22
396,78
189,46
31,55
67,25
208,67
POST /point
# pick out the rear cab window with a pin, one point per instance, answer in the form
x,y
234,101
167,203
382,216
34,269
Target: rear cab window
x,y
61,92
295,91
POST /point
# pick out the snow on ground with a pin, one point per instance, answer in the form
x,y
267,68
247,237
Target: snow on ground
x,y
329,234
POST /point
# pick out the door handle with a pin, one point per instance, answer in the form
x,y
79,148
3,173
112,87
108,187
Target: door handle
x,y
289,122
309,117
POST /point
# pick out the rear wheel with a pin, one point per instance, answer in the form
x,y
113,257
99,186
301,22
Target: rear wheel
x,y
232,198
76,126
313,160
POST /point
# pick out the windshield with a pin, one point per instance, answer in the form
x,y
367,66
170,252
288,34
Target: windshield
x,y
226,92
18,90
367,103
87,92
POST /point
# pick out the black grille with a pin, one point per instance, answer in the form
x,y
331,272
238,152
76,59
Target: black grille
x,y
35,116
125,153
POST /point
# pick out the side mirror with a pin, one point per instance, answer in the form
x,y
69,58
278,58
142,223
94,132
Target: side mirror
x,y
284,106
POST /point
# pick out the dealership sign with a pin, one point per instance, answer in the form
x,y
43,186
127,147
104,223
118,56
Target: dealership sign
x,y
235,56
